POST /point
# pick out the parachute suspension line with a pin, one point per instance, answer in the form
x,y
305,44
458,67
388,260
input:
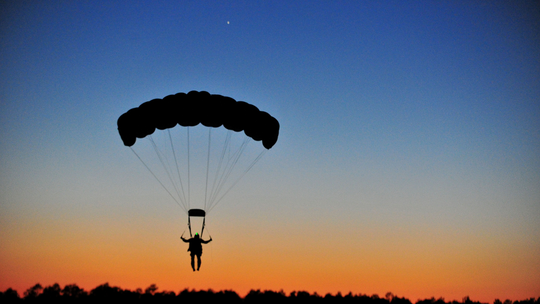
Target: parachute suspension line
x,y
176,163
227,169
202,229
225,148
230,166
245,172
207,168
208,232
189,225
188,173
181,206
166,167
183,233
226,173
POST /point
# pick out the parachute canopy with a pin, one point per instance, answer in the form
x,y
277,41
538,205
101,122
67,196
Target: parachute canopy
x,y
198,107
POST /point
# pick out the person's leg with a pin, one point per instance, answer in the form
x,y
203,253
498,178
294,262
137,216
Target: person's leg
x,y
198,261
193,262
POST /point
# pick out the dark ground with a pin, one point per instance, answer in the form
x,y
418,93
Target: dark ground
x,y
109,294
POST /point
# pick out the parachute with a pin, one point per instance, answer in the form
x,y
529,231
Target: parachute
x,y
191,111
198,107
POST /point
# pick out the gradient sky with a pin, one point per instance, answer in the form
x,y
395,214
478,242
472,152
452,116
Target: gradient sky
x,y
408,159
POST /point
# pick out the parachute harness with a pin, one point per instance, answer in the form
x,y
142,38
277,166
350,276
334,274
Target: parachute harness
x,y
189,225
172,196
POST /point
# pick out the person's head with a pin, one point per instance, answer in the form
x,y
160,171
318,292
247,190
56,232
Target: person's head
x,y
196,235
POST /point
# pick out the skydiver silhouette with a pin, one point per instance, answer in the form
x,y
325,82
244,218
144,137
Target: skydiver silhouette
x,y
195,247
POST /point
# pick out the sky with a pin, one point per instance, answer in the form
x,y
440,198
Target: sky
x,y
407,160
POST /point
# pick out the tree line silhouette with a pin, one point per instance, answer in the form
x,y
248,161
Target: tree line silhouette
x,y
105,293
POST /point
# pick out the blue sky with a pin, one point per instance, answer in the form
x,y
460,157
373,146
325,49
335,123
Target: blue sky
x,y
401,121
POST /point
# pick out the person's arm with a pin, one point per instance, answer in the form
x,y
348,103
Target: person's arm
x,y
206,242
183,239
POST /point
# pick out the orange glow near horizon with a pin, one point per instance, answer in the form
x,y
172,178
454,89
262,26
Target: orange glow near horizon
x,y
407,265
